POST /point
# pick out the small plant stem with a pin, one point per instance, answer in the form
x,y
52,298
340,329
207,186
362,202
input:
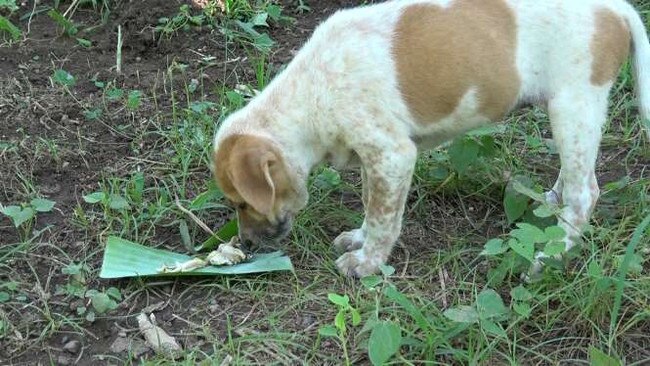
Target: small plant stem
x,y
344,345
118,56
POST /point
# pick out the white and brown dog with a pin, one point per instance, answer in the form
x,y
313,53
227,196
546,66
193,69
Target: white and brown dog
x,y
374,84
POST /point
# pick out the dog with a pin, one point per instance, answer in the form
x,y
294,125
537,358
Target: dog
x,y
375,84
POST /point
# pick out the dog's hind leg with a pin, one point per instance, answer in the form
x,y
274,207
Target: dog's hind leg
x,y
577,118
388,165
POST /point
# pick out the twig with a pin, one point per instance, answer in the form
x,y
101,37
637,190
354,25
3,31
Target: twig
x,y
194,218
443,286
118,60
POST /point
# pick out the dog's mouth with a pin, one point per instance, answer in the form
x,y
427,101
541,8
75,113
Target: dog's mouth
x,y
262,245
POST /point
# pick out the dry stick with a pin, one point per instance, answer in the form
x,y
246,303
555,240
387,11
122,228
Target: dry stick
x,y
118,60
194,218
443,287
29,21
71,9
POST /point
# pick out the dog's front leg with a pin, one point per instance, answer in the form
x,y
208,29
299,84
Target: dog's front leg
x,y
388,172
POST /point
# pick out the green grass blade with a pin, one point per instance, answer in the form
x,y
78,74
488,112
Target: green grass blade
x,y
622,273
224,234
9,27
123,258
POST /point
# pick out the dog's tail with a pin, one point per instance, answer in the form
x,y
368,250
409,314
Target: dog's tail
x,y
641,64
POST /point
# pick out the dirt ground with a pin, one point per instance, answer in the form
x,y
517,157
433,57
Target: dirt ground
x,y
34,112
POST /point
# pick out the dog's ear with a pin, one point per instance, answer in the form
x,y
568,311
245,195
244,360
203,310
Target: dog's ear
x,y
255,170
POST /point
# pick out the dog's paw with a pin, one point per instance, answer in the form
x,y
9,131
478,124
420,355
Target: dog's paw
x,y
553,197
535,270
348,241
357,264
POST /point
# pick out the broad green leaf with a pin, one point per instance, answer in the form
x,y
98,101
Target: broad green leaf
x,y
554,233
463,152
114,293
600,358
263,42
328,331
260,19
594,269
342,301
526,250
93,114
95,197
9,5
462,314
488,147
554,248
523,187
520,293
494,247
328,178
102,302
84,42
371,281
339,321
385,341
64,78
136,186
73,269
274,12
527,233
522,308
386,270
42,205
490,305
4,296
493,328
356,317
543,211
114,94
514,203
117,202
185,234
133,100
123,258
90,316
635,263
224,234
19,215
7,26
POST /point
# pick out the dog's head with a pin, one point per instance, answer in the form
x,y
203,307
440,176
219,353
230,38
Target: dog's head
x,y
256,179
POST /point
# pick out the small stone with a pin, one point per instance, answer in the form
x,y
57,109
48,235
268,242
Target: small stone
x,y
64,360
65,164
65,339
119,345
73,346
138,59
307,320
139,348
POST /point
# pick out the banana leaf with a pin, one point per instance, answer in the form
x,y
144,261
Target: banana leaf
x,y
123,258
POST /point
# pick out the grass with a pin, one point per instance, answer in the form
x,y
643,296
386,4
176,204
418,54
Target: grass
x,y
155,147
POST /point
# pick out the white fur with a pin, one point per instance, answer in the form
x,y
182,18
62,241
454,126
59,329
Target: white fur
x,y
339,100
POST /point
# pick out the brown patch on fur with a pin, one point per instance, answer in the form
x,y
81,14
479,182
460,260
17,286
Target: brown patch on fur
x,y
252,174
442,52
610,46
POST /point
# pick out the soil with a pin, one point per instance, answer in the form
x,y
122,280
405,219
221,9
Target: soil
x,y
32,111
